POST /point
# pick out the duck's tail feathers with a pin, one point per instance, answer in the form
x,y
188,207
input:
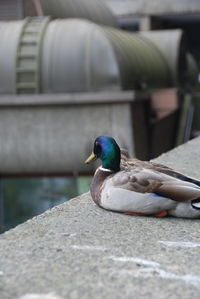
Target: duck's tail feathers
x,y
196,203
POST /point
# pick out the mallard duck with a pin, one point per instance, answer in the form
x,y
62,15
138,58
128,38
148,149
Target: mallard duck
x,y
137,187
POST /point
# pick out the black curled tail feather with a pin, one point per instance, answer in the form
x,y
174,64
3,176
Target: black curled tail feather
x,y
195,203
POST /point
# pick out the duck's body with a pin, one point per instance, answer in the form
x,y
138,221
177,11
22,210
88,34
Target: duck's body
x,y
144,188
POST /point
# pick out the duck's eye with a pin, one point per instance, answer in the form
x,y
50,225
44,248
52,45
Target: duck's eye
x,y
97,148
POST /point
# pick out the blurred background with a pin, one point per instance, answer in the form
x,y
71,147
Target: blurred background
x,y
71,70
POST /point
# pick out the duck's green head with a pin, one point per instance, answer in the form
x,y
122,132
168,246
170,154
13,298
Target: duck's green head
x,y
108,151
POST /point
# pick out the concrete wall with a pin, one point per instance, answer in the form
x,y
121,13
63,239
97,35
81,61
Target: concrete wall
x,y
54,134
154,7
11,9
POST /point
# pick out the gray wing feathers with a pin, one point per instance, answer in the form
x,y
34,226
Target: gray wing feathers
x,y
151,181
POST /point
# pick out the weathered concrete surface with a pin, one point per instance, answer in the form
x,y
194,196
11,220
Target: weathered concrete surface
x,y
38,131
78,250
153,7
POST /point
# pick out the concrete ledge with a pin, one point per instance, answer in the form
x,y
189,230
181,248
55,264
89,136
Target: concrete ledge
x,y
77,250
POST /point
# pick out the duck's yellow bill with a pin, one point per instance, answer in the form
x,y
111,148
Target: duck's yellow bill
x,y
91,158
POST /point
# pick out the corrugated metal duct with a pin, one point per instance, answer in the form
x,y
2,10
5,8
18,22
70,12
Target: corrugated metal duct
x,y
192,72
93,10
172,44
38,56
75,55
142,64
